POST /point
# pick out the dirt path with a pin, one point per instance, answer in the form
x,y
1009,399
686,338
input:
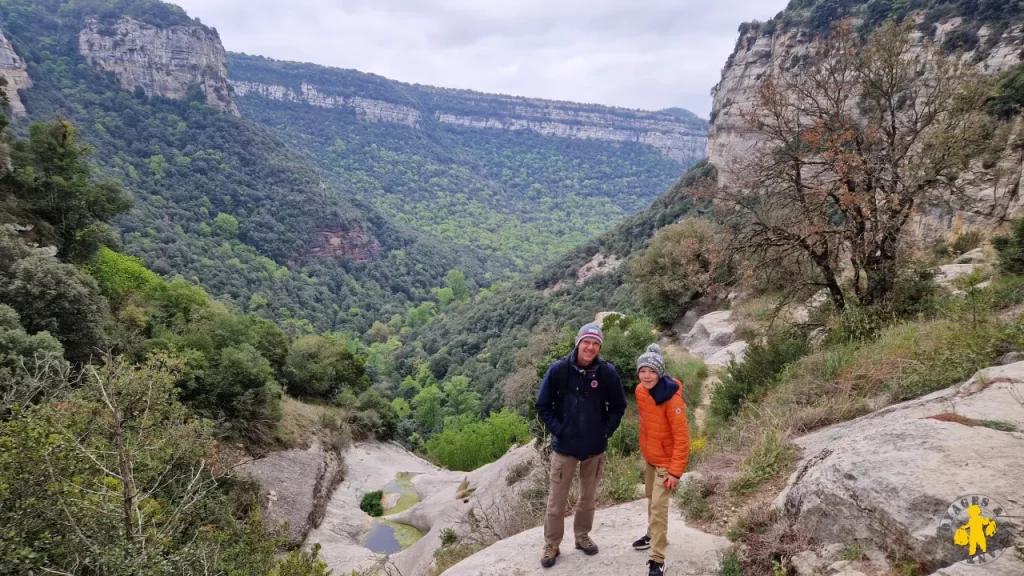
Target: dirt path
x,y
673,349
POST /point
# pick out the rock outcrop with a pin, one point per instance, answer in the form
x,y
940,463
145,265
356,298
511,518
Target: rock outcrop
x,y
161,61
367,109
888,479
690,552
713,338
993,187
297,485
354,244
672,138
12,69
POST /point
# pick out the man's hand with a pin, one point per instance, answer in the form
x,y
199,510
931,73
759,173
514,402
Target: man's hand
x,y
672,483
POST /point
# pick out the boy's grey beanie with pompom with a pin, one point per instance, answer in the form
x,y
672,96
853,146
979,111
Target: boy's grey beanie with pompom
x,y
652,359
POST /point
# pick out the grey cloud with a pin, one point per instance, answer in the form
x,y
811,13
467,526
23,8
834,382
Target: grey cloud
x,y
636,53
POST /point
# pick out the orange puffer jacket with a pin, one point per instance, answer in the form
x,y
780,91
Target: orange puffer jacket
x,y
664,435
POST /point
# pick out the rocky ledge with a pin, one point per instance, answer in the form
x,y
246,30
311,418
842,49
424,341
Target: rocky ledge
x,y
161,61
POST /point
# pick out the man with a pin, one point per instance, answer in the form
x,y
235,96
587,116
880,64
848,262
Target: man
x,y
581,401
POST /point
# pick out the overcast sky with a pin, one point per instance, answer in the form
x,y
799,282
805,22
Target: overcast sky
x,y
648,54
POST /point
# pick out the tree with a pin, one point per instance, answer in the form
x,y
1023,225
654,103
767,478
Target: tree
x,y
457,282
51,176
378,332
624,342
849,147
321,366
427,410
57,298
460,399
30,366
683,262
225,225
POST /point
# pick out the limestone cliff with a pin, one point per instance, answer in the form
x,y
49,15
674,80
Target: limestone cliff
x,y
12,69
681,137
366,108
161,61
994,186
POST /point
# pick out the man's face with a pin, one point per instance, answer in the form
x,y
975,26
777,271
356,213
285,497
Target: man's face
x,y
588,350
648,377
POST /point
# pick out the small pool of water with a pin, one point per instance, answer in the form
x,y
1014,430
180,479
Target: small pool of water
x,y
381,540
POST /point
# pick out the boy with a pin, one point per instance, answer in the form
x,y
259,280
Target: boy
x,y
665,444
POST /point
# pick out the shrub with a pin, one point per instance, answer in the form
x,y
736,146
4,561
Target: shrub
x,y
764,362
448,537
1011,249
961,40
769,457
683,262
371,503
518,472
1009,97
693,497
57,298
470,445
621,476
626,440
321,366
623,345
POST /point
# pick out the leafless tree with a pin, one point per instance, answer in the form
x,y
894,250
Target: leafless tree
x,y
849,145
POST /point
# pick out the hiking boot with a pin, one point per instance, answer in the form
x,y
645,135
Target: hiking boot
x,y
643,543
655,569
550,554
587,545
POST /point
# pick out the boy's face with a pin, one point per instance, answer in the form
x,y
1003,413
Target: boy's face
x,y
648,377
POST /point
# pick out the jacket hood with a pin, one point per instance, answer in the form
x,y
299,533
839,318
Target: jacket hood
x,y
664,390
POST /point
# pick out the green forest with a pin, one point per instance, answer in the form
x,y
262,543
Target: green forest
x,y
515,194
221,201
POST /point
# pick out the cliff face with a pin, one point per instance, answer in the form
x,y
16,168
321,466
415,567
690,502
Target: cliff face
x,y
161,61
679,137
12,69
995,187
366,108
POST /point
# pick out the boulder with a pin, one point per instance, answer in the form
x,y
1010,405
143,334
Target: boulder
x,y
947,275
735,352
888,478
690,552
710,334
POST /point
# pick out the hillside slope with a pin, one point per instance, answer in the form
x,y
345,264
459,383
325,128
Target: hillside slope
x,y
521,177
218,198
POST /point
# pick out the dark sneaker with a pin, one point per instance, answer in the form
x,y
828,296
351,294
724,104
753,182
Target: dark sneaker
x,y
587,545
655,569
550,554
643,543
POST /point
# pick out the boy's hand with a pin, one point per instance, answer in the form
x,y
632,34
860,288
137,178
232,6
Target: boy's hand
x,y
671,482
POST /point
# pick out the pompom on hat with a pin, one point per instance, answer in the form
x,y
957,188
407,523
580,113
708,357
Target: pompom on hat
x,y
652,359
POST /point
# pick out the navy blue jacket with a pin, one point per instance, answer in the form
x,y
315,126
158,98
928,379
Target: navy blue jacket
x,y
581,407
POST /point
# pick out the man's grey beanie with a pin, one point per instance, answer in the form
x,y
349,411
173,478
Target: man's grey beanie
x,y
592,330
652,359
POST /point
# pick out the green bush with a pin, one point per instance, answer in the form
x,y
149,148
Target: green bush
x,y
622,476
321,366
764,362
371,503
1011,249
626,440
1009,97
469,445
622,346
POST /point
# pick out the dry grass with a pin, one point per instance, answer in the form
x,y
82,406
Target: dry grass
x,y
448,556
301,423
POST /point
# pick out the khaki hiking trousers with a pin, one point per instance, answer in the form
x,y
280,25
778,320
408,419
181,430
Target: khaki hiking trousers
x,y
658,498
563,468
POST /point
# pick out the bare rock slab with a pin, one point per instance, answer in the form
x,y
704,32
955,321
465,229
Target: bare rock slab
x,y
691,552
888,478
